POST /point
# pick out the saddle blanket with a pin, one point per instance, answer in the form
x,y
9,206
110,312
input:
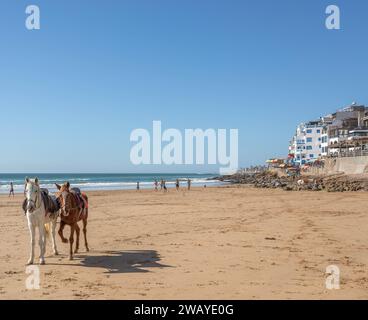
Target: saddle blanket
x,y
50,202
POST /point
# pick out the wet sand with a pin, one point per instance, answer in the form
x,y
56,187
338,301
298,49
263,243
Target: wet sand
x,y
215,243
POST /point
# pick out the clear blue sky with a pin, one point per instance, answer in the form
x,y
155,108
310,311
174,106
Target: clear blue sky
x,y
71,93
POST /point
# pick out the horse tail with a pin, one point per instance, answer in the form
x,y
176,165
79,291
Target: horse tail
x,y
85,198
48,229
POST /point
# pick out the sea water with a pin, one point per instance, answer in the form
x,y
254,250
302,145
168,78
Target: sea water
x,y
103,181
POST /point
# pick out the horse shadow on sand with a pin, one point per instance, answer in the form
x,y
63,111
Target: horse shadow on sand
x,y
123,261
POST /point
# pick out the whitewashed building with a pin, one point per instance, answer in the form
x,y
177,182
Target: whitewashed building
x,y
341,133
306,145
327,121
324,142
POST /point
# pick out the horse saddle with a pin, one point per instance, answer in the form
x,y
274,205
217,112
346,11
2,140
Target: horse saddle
x,y
76,190
50,202
80,198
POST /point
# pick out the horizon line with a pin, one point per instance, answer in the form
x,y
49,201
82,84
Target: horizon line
x,y
137,173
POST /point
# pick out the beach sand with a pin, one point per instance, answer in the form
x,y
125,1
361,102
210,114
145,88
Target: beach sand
x,y
215,243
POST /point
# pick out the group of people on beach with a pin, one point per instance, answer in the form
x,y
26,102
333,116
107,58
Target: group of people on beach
x,y
163,186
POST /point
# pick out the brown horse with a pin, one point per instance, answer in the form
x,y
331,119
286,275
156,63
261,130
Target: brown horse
x,y
74,208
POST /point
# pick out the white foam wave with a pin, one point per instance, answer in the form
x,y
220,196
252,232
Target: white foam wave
x,y
19,188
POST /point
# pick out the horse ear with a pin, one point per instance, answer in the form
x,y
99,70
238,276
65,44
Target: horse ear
x,y
36,181
68,184
58,186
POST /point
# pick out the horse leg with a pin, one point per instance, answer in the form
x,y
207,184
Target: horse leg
x,y
71,240
32,231
42,242
60,232
77,230
85,233
53,229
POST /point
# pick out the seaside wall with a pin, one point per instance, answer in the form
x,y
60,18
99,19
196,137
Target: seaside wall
x,y
348,165
352,165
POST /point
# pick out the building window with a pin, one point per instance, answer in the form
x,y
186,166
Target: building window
x,y
319,139
309,130
309,139
320,146
311,155
309,147
318,131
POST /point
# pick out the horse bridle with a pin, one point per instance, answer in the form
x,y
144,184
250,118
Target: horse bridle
x,y
33,201
63,208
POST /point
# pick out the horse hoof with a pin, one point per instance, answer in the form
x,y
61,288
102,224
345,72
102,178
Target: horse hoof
x,y
42,262
76,251
70,258
56,253
65,240
30,262
87,249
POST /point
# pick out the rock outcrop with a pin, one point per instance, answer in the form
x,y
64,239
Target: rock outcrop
x,y
329,183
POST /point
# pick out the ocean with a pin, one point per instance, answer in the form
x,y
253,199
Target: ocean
x,y
102,181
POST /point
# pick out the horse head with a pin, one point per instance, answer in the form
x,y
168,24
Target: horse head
x,y
32,192
65,198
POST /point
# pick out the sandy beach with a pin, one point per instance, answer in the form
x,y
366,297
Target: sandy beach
x,y
215,243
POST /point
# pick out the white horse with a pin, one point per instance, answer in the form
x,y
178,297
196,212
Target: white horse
x,y
38,217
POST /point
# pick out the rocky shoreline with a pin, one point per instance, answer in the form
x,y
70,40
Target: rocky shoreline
x,y
338,182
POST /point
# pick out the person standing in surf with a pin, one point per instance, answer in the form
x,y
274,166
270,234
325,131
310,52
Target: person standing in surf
x,y
11,192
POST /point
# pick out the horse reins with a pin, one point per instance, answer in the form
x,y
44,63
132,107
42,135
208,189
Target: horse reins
x,y
34,201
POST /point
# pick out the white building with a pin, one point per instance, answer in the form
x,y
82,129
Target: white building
x,y
306,145
327,121
342,132
324,142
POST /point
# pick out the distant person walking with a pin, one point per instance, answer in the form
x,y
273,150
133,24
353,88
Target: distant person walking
x,y
137,185
11,189
156,185
164,185
189,183
177,184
